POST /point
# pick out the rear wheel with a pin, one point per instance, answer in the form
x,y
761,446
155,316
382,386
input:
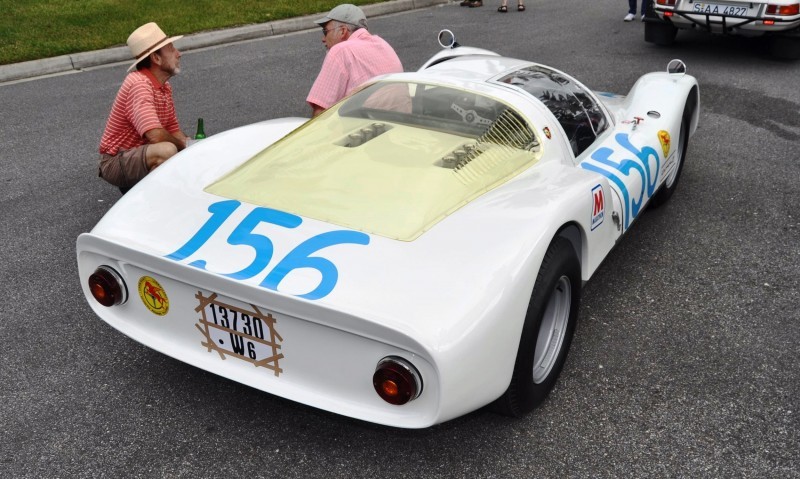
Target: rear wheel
x,y
785,47
547,332
660,33
649,10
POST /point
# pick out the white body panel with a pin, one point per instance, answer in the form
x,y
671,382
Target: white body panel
x,y
452,302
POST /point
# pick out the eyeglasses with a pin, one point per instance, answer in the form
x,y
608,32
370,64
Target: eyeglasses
x,y
325,31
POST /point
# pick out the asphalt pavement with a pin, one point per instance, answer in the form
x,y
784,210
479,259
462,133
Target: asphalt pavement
x,y
685,361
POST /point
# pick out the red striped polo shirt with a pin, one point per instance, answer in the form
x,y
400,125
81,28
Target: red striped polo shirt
x,y
142,104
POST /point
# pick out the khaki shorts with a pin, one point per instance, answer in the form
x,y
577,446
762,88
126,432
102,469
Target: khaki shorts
x,y
126,168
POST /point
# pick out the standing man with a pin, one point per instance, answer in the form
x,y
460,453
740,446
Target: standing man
x,y
354,56
142,131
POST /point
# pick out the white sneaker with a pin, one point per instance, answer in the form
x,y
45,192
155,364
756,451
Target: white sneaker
x,y
629,17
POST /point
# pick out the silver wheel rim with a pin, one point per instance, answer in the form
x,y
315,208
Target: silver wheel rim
x,y
552,330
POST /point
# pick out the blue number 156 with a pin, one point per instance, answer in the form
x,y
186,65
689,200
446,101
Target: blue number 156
x,y
300,257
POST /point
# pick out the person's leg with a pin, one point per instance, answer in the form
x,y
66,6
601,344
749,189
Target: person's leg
x,y
631,11
125,168
158,153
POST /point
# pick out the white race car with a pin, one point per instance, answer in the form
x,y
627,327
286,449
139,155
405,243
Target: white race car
x,y
777,20
411,255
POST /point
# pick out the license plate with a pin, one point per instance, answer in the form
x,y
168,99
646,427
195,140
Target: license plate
x,y
237,331
722,10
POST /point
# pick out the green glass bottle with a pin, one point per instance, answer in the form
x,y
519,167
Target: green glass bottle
x,y
201,132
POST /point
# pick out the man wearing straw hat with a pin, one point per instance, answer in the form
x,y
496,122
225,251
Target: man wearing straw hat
x,y
142,130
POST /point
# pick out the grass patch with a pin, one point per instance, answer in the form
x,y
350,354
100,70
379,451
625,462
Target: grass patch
x,y
34,29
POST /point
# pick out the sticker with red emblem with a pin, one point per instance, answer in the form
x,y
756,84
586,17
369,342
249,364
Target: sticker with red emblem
x,y
153,295
663,137
598,206
547,133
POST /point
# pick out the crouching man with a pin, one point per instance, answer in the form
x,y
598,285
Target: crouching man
x,y
142,131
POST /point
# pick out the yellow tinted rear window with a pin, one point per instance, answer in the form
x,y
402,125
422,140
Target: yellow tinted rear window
x,y
392,160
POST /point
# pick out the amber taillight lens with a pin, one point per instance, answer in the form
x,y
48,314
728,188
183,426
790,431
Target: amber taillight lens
x,y
793,9
107,287
396,381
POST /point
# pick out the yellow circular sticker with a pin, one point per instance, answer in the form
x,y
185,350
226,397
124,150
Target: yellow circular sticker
x,y
153,296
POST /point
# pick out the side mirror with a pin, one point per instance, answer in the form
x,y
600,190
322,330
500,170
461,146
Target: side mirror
x,y
447,39
676,67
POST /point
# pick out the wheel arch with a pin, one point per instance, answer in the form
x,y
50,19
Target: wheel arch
x,y
693,108
518,397
574,233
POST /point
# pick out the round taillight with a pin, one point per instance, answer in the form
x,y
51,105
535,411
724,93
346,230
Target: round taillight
x,y
396,381
107,287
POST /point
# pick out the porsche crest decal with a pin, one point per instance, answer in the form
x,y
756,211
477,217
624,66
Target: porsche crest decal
x,y
663,137
153,295
246,334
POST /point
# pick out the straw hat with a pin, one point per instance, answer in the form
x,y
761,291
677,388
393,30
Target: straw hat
x,y
147,39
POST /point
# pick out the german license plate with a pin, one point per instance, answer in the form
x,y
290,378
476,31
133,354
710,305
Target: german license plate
x,y
244,332
722,10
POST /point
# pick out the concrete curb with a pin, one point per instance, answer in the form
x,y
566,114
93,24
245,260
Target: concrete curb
x,y
79,61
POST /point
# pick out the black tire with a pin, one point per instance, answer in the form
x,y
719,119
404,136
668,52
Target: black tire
x,y
660,33
554,302
785,47
650,11
671,183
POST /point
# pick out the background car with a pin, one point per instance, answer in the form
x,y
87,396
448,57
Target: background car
x,y
778,21
414,253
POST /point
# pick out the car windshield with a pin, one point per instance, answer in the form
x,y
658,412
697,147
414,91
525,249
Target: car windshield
x,y
574,108
393,159
441,108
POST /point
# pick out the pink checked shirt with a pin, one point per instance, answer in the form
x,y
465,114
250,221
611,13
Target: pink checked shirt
x,y
350,63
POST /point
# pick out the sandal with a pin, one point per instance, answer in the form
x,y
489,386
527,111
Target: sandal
x,y
520,8
465,3
503,9
475,3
